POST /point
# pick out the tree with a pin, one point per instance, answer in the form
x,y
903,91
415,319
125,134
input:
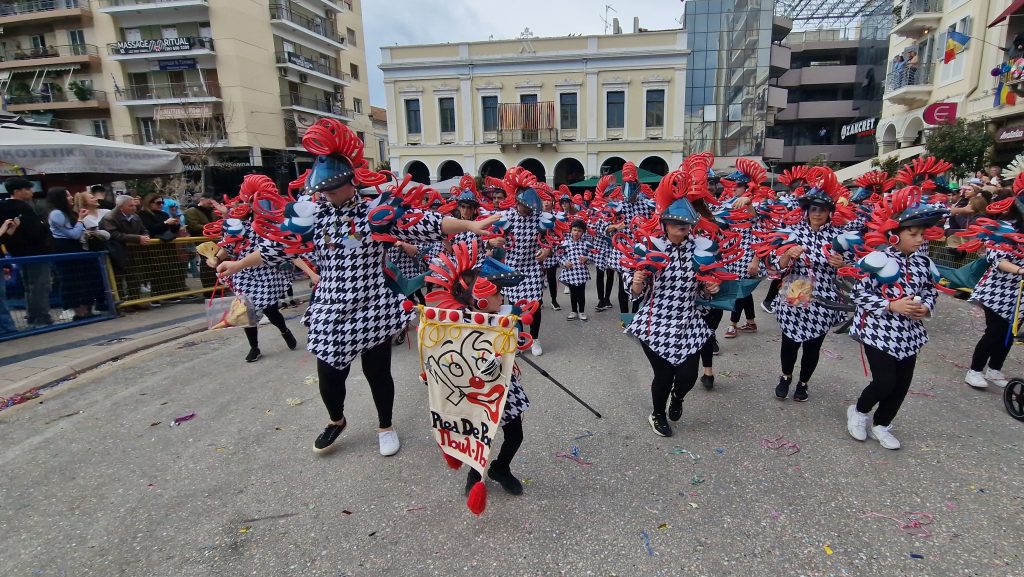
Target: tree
x,y
822,160
890,164
963,144
197,132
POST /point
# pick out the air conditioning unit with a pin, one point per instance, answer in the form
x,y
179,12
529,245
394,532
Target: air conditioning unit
x,y
284,72
303,78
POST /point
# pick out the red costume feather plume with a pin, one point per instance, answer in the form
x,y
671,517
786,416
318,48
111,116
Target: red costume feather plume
x,y
877,181
921,171
331,137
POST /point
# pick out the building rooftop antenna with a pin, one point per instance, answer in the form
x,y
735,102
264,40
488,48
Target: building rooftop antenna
x,y
605,19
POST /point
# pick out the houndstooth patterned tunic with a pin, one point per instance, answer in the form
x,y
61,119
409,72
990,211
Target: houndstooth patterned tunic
x,y
669,321
265,284
516,402
469,239
628,211
409,266
352,310
570,252
893,333
521,254
739,267
805,323
602,252
998,290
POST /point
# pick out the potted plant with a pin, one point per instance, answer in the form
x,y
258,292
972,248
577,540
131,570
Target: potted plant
x,y
81,91
20,93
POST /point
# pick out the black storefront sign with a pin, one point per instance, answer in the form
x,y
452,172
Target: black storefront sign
x,y
157,45
301,61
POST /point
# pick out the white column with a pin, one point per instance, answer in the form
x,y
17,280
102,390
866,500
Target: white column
x,y
393,115
466,103
593,98
678,105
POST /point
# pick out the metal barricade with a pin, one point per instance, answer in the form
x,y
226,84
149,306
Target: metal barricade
x,y
54,291
162,271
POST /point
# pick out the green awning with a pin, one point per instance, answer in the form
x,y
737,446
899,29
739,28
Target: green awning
x,y
646,177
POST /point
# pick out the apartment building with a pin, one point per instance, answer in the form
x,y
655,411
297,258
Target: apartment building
x,y
919,75
232,84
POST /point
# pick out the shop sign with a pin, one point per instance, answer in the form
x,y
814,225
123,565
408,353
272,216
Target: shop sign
x,y
940,113
860,128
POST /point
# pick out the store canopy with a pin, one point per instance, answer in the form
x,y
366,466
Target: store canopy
x,y
860,168
1014,7
47,151
646,177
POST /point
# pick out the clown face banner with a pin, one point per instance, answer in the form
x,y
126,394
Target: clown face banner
x,y
467,360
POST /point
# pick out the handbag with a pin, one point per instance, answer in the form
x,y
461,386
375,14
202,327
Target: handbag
x,y
229,311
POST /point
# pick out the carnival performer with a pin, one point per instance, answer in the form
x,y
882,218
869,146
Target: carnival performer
x,y
264,285
668,324
353,312
550,265
741,190
795,179
572,255
462,285
999,293
808,268
633,207
605,256
895,294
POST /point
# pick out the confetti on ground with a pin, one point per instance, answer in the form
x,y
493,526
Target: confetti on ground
x,y
916,556
415,508
25,397
372,534
725,373
647,542
245,529
583,436
778,443
694,506
913,522
663,526
347,512
775,514
950,505
921,393
828,550
311,380
697,479
681,451
294,402
151,486
183,419
64,417
573,457
831,354
155,423
720,451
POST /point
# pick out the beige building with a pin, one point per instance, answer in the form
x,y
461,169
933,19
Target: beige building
x,y
561,107
236,82
922,78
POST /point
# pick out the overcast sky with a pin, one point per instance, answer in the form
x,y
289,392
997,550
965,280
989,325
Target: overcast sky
x,y
391,22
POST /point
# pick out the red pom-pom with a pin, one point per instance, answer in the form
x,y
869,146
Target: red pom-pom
x,y
527,319
430,314
477,500
407,305
423,376
503,321
453,316
452,462
479,319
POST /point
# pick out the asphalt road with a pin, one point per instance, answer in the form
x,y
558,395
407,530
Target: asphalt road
x,y
96,482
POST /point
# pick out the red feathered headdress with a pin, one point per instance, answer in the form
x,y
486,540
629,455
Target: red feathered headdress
x,y
331,137
921,171
877,181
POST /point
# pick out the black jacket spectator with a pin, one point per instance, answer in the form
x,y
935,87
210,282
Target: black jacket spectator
x,y
155,219
33,235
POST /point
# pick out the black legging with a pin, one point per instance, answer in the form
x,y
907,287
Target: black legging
x,y
707,352
552,283
890,381
513,431
773,290
419,298
578,298
624,300
604,285
809,360
535,325
744,305
994,345
276,319
377,369
669,378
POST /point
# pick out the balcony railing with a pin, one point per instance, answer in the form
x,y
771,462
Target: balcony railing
x,y
174,91
46,98
319,26
526,136
912,7
139,3
160,45
48,52
33,6
308,63
318,104
904,76
527,123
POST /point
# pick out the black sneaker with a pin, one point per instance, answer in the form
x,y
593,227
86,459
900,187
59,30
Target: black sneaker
x,y
399,338
708,381
507,480
800,394
556,306
289,339
675,408
253,356
472,479
715,349
768,307
325,441
660,425
782,389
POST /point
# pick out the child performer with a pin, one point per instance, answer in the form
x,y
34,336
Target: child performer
x,y
572,255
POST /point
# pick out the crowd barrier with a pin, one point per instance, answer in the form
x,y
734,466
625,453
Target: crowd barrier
x,y
162,271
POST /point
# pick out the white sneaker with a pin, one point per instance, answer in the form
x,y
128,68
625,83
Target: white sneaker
x,y
976,380
993,376
583,317
388,441
565,290
884,437
264,321
856,423
536,349
570,317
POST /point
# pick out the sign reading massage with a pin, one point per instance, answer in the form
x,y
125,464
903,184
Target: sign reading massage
x,y
156,45
860,128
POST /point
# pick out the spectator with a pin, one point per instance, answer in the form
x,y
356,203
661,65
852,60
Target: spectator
x,y
7,326
174,211
78,277
823,135
993,175
95,238
125,228
912,65
168,270
898,74
100,192
30,238
207,210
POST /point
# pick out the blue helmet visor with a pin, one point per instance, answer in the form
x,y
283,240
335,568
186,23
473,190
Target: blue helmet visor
x,y
329,173
529,198
681,211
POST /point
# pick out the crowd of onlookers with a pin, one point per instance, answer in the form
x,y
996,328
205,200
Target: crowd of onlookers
x,y
92,221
